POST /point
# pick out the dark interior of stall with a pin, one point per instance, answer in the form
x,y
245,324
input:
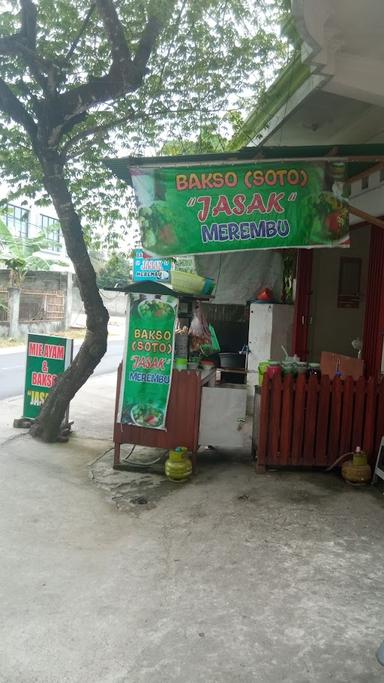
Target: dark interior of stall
x,y
230,322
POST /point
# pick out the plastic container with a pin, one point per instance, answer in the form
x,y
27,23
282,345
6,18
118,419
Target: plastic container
x,y
232,361
273,369
193,365
181,345
301,367
262,370
190,283
289,368
207,364
180,364
314,369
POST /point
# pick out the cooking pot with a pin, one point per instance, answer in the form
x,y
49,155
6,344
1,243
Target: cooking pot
x,y
232,361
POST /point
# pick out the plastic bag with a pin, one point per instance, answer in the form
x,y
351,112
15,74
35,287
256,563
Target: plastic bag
x,y
214,346
199,329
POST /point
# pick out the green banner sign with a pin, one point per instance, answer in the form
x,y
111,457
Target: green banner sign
x,y
219,208
47,357
147,374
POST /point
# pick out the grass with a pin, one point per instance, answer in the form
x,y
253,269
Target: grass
x,y
8,343
74,333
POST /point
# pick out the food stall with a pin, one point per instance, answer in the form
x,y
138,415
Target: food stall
x,y
164,400
272,199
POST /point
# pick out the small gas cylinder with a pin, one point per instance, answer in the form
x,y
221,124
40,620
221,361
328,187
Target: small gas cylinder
x,y
357,470
178,466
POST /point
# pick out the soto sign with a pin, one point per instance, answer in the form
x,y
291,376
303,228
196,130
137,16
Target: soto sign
x,y
231,207
148,361
47,357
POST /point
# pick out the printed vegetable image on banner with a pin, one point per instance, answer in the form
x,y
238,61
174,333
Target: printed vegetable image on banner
x,y
219,208
148,360
47,357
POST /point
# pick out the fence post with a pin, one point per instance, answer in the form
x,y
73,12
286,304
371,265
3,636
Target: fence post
x,y
13,311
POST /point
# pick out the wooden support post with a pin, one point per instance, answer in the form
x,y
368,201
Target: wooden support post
x,y
373,220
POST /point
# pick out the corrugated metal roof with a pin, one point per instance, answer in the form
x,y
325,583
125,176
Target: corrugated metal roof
x,y
359,157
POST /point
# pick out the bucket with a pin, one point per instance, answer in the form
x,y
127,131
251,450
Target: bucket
x,y
180,363
262,370
274,368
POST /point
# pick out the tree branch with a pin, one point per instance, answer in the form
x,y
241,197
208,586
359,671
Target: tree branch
x,y
10,105
93,130
147,41
80,32
23,44
28,23
114,31
11,45
125,74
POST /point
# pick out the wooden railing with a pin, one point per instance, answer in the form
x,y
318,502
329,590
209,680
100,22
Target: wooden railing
x,y
309,423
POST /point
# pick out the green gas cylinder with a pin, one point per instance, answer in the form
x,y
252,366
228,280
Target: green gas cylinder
x,y
178,466
357,470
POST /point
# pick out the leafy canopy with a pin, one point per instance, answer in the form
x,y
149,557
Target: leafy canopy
x,y
117,272
211,57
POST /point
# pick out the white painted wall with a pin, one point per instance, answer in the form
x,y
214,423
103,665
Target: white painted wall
x,y
334,328
270,326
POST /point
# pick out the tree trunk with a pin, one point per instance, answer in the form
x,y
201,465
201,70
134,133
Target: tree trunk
x,y
93,348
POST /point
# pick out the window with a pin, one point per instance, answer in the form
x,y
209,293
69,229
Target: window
x,y
17,219
51,228
349,283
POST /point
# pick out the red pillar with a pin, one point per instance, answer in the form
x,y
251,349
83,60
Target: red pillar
x,y
374,308
302,303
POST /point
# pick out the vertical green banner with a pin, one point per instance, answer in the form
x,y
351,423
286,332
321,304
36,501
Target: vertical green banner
x,y
47,357
147,375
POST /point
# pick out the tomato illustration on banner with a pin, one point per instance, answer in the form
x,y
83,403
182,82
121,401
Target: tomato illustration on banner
x,y
148,361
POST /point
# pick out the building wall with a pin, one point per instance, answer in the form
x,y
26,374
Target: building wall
x,y
115,303
44,281
37,281
333,328
35,223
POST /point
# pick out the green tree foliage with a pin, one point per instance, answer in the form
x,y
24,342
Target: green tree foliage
x,y
81,81
117,272
210,57
207,139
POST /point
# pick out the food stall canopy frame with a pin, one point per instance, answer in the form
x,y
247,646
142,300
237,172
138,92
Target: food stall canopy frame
x,y
148,287
257,198
358,157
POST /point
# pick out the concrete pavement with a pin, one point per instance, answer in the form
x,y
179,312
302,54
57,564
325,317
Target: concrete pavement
x,y
232,577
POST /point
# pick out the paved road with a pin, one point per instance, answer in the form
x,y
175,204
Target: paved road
x,y
12,367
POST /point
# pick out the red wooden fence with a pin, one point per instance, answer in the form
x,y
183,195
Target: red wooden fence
x,y
309,423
